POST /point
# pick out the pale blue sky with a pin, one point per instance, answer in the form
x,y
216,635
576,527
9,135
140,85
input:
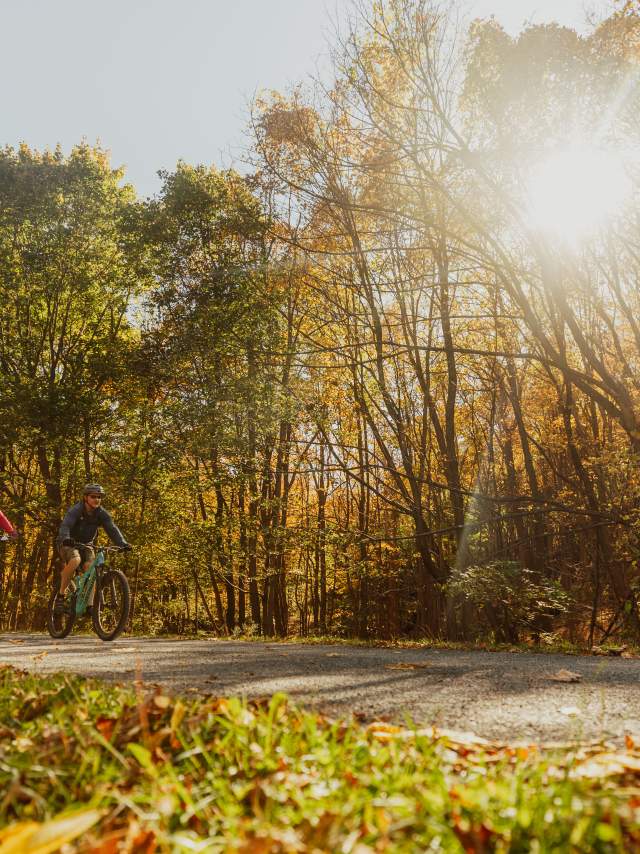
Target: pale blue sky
x,y
159,80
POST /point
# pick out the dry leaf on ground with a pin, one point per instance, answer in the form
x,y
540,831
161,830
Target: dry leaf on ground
x,y
405,665
48,837
468,739
384,731
566,676
607,765
571,711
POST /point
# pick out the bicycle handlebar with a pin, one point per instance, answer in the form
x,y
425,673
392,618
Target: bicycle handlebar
x,y
101,548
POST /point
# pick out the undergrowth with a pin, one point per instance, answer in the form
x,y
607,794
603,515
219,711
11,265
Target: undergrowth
x,y
153,773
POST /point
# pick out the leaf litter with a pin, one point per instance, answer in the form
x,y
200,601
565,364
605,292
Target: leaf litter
x,y
164,773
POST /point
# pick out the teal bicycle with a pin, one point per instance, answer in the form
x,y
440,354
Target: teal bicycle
x,y
109,590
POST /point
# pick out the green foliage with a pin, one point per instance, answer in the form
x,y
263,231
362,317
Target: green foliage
x,y
65,285
211,774
508,598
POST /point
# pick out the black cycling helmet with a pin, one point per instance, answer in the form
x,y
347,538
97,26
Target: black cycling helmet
x,y
93,489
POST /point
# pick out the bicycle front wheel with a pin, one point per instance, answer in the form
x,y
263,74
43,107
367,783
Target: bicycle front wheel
x,y
111,605
60,620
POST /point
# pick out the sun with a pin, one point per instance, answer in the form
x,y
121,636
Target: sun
x,y
574,191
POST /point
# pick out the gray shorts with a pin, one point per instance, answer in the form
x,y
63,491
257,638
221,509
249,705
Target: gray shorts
x,y
84,555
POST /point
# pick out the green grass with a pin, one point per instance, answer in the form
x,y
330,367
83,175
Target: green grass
x,y
220,775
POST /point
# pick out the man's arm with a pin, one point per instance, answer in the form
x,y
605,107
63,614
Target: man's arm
x,y
111,528
71,517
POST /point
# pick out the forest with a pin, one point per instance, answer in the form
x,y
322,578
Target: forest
x,y
380,381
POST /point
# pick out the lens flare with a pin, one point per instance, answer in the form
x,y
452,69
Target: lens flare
x,y
573,192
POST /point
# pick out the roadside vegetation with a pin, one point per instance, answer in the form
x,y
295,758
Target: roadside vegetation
x,y
112,769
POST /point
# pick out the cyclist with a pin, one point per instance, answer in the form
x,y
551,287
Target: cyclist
x,y
7,527
80,525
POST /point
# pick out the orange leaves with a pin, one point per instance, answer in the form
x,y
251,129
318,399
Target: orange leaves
x,y
127,839
382,731
105,727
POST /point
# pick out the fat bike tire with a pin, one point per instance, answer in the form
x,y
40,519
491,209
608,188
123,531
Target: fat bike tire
x,y
111,605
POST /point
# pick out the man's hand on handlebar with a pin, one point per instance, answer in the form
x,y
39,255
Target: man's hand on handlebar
x,y
126,547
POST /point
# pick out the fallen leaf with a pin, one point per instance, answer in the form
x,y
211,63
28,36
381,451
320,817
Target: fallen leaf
x,y
177,716
571,711
405,665
40,656
145,842
105,727
468,739
566,676
35,838
384,731
110,844
12,640
604,765
629,742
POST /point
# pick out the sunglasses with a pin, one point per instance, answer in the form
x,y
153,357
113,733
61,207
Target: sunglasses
x,y
91,495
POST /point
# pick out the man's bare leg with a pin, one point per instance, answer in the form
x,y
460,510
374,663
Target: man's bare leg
x,y
67,573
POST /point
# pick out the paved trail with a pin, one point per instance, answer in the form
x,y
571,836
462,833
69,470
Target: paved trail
x,y
504,696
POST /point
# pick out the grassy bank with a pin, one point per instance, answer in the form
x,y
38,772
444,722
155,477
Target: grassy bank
x,y
143,773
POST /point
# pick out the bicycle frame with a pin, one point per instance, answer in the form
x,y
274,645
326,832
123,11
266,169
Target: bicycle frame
x,y
86,582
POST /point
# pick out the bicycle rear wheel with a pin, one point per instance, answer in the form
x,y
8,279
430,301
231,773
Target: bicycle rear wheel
x,y
111,604
60,623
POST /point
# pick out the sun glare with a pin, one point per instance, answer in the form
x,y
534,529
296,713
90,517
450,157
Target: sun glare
x,y
574,191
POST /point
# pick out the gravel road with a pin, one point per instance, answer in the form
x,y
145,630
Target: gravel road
x,y
501,696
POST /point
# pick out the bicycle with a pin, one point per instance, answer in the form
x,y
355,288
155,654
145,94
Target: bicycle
x,y
111,600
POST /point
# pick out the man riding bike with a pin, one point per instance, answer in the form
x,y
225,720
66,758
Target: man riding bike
x,y
80,525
